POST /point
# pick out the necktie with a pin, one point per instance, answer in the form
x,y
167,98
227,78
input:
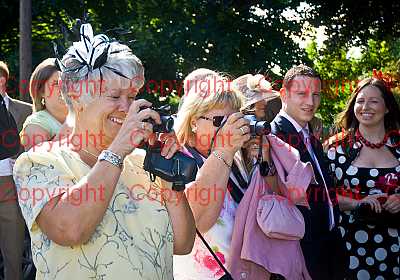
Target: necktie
x,y
3,109
2,102
306,139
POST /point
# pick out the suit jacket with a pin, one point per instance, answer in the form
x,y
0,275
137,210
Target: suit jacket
x,y
20,111
317,216
9,138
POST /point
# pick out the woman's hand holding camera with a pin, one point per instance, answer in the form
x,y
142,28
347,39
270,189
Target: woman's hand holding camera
x,y
134,129
234,133
170,144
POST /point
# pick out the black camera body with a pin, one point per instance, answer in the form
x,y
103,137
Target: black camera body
x,y
180,169
257,128
167,121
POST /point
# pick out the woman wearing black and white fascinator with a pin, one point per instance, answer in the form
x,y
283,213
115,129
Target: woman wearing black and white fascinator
x,y
103,216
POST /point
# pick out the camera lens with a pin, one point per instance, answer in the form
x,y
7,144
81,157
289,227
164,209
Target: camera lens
x,y
167,121
257,127
166,126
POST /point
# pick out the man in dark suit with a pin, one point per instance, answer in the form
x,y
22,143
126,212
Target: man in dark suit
x,y
322,245
10,143
12,225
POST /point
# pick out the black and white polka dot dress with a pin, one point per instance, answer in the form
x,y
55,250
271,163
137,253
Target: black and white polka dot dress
x,y
373,250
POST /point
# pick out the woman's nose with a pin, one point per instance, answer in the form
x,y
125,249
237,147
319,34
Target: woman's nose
x,y
124,105
365,105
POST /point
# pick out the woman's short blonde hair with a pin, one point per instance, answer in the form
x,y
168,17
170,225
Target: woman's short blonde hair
x,y
192,79
39,81
217,93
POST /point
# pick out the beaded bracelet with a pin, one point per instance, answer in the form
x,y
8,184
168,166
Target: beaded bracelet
x,y
219,156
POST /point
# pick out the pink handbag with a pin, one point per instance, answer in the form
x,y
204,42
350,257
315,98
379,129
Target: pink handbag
x,y
277,217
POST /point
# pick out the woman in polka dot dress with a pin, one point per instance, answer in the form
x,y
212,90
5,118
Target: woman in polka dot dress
x,y
368,152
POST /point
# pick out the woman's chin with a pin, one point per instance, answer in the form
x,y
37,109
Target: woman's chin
x,y
112,126
370,122
111,131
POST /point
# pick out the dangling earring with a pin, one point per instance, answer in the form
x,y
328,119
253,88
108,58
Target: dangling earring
x,y
43,102
194,129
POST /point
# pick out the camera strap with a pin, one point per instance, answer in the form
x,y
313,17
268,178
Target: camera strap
x,y
227,275
199,160
148,150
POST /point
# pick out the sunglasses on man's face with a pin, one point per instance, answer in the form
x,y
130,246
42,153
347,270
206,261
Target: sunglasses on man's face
x,y
216,120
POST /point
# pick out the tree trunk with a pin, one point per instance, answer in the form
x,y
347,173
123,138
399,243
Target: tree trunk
x,y
25,48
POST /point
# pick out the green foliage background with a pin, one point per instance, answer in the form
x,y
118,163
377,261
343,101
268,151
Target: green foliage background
x,y
174,37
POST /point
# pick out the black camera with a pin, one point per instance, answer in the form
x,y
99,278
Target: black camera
x,y
167,121
180,169
258,128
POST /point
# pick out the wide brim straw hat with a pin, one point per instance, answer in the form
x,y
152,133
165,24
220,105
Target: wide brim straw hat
x,y
254,89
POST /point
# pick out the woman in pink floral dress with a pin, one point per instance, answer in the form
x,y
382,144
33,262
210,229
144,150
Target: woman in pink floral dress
x,y
212,130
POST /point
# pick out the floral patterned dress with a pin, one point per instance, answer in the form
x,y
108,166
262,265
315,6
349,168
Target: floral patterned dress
x,y
200,264
373,250
134,240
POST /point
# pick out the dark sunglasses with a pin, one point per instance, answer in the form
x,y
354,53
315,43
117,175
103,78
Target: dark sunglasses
x,y
216,120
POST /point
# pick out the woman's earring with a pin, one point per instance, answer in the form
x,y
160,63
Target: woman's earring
x,y
194,129
43,102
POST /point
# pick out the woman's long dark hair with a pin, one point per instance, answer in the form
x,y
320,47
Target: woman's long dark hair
x,y
347,119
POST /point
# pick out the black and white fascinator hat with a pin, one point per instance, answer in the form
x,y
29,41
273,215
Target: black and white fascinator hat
x,y
91,52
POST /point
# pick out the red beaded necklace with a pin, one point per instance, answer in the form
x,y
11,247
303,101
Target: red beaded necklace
x,y
369,144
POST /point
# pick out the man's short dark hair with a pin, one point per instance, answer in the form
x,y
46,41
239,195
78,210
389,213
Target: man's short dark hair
x,y
299,70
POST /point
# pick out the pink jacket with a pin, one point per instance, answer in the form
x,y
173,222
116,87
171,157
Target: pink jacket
x,y
253,255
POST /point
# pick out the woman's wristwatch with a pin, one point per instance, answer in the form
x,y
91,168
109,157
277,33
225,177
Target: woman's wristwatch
x,y
112,158
267,168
